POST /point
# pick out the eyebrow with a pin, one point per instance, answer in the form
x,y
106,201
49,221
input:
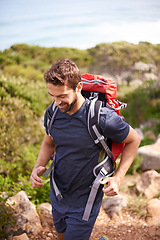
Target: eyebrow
x,y
50,94
58,95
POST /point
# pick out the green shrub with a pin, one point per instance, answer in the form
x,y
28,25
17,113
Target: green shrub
x,y
146,141
22,104
24,92
140,105
42,194
135,166
121,56
22,183
40,58
28,72
110,57
157,128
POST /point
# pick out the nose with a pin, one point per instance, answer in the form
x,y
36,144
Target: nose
x,y
57,101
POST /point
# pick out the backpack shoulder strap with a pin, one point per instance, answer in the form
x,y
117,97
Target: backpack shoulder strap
x,y
51,117
93,118
94,128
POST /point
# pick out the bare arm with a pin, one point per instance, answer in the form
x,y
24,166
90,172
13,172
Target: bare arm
x,y
132,142
46,151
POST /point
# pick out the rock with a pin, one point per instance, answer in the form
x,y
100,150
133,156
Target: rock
x,y
149,76
140,133
149,184
150,134
20,237
150,123
113,205
153,210
26,216
151,156
45,213
136,83
143,67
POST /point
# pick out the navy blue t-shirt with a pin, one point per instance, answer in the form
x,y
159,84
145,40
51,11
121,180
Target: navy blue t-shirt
x,y
76,153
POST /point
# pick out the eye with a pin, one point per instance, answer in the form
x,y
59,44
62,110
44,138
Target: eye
x,y
62,96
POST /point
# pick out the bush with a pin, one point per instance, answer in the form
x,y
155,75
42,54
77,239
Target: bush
x,y
140,105
28,72
24,93
135,166
20,130
38,59
121,56
22,104
146,141
11,187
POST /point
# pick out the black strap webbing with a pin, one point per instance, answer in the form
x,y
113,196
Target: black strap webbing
x,y
54,110
95,130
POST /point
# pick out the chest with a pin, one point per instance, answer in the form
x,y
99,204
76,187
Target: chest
x,y
71,132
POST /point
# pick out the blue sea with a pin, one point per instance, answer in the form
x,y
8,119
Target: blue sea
x,y
78,24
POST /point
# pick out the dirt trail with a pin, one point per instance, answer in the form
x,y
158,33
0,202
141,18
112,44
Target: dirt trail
x,y
128,226
125,227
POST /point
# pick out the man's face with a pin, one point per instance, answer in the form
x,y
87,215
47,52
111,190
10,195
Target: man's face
x,y
65,98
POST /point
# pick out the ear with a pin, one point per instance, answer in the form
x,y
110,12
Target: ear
x,y
79,87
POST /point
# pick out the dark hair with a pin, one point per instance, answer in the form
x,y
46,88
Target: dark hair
x,y
63,72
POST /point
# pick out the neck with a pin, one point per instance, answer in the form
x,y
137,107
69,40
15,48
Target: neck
x,y
81,101
78,105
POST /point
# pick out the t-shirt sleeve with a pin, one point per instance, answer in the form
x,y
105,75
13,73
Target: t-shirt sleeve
x,y
113,126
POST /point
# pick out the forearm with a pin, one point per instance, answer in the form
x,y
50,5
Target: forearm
x,y
132,142
131,145
46,151
127,158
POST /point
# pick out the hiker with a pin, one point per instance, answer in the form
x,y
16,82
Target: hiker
x,y
77,154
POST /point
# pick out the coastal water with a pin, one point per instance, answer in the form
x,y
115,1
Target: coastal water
x,y
78,24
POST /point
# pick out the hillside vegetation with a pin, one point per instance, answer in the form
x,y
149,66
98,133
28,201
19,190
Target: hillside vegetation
x,y
24,98
117,57
109,58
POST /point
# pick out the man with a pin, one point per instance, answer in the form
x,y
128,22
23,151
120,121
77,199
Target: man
x,y
77,154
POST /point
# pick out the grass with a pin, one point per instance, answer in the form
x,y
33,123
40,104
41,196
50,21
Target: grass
x,y
138,205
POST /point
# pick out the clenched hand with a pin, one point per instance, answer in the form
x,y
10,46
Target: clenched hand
x,y
35,179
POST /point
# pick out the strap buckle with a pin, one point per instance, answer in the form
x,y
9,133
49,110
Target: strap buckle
x,y
99,139
103,172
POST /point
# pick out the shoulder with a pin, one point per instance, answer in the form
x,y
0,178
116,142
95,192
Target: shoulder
x,y
107,114
112,125
48,115
49,111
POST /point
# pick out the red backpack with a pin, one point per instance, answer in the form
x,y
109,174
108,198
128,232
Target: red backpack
x,y
104,91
